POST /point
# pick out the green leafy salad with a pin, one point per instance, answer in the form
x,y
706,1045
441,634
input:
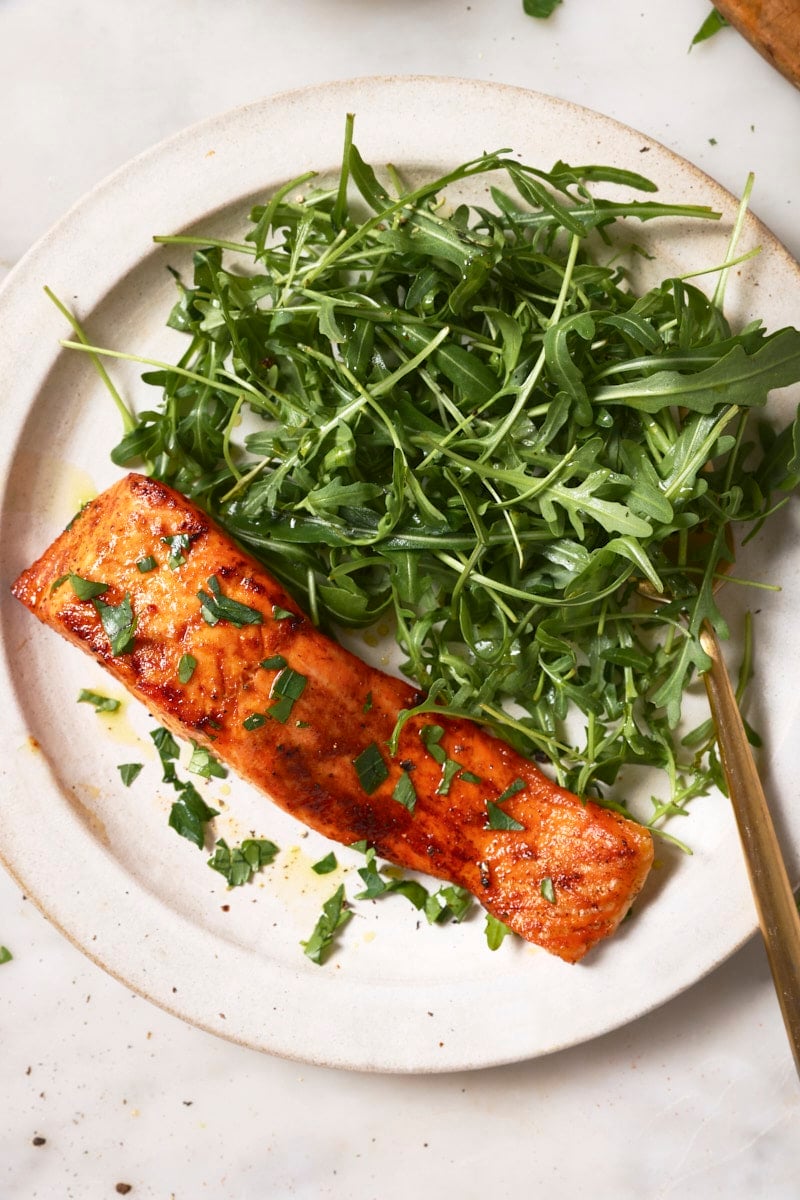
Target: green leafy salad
x,y
462,420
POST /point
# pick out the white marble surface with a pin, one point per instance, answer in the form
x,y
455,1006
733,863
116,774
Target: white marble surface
x,y
699,1098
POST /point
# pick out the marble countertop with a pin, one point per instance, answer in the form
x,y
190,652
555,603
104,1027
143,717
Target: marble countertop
x,y
102,1093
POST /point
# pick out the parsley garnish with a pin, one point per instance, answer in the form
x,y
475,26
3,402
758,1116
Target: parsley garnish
x,y
255,721
5,955
280,614
177,543
547,890
101,703
325,865
287,687
518,785
431,735
497,819
240,863
404,792
335,914
276,662
216,608
450,769
449,903
148,563
496,931
168,751
371,769
129,771
119,622
378,885
186,667
84,589
190,814
203,763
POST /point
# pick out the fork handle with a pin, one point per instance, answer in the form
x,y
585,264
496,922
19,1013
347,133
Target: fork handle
x,y
777,911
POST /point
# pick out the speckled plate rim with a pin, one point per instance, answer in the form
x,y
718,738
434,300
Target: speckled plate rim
x,y
327,1017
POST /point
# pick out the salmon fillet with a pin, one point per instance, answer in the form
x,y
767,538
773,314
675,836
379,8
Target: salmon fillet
x,y
323,754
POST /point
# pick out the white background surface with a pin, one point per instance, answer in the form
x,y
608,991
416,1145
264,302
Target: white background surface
x,y
697,1099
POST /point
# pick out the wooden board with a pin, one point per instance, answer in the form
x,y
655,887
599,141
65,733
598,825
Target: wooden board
x,y
772,26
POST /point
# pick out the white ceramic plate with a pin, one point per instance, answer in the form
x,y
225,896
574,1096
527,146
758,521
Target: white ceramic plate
x,y
98,858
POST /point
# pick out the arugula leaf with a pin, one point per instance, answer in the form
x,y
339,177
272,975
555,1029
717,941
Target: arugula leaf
x,y
462,417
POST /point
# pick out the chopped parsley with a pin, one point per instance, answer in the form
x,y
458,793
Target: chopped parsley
x,y
496,932
275,662
240,863
190,814
216,607
431,735
84,589
280,614
518,785
168,751
148,563
547,890
255,721
497,819
404,792
177,543
325,865
5,955
335,914
129,771
186,667
203,763
287,687
450,768
101,703
370,768
119,623
449,903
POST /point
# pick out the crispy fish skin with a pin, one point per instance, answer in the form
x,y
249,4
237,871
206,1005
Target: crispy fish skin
x,y
597,860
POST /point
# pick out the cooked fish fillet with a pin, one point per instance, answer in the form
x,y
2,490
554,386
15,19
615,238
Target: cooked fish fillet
x,y
595,860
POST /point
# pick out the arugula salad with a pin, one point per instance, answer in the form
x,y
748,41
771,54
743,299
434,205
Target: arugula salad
x,y
462,420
